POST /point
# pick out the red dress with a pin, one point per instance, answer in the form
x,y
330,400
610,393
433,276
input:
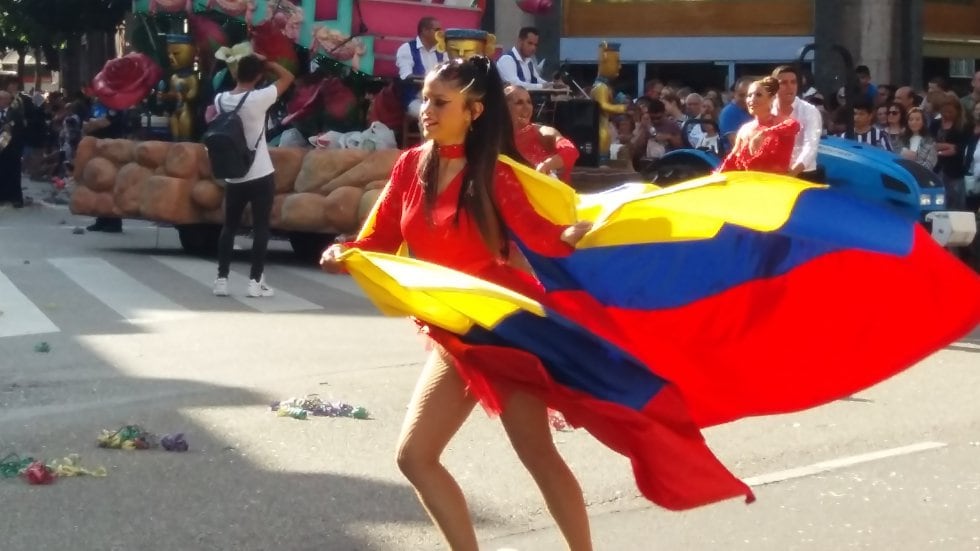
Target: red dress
x,y
458,245
774,154
671,462
530,143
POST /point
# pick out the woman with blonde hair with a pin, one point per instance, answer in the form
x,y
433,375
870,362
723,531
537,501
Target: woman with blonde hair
x,y
951,140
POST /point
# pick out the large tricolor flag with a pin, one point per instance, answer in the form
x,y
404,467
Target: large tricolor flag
x,y
732,295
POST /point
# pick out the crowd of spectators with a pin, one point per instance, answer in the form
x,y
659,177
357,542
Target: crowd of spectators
x,y
932,126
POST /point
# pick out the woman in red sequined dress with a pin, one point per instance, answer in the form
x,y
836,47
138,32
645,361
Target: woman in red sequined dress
x,y
452,202
764,144
544,147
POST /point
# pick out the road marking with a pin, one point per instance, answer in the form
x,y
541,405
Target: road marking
x,y
834,464
131,299
342,283
18,315
204,272
969,345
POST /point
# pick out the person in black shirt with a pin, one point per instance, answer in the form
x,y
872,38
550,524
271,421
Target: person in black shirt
x,y
12,128
951,140
106,124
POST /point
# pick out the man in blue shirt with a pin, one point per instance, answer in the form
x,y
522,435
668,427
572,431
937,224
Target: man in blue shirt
x,y
869,90
735,114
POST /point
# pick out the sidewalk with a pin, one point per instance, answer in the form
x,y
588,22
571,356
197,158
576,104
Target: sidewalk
x,y
44,193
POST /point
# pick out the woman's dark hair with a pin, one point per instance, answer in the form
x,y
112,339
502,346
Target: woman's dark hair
x,y
902,115
490,135
783,69
907,133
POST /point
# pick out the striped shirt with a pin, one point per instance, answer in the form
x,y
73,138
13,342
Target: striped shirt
x,y
875,137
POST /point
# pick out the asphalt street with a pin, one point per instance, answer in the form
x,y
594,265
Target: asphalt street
x,y
136,336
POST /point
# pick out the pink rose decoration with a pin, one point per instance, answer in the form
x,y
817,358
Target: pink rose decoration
x,y
125,81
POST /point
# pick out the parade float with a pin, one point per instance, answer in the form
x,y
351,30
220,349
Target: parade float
x,y
332,155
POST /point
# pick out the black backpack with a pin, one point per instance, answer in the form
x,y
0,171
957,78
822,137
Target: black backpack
x,y
224,140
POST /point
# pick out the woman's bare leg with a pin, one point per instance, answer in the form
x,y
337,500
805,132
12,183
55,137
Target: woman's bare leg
x,y
525,419
438,408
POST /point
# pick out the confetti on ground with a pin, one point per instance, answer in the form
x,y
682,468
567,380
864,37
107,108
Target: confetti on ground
x,y
13,465
300,408
558,422
133,437
174,442
72,466
38,473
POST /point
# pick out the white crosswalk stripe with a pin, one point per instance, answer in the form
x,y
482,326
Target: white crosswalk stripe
x,y
342,283
204,273
131,299
18,315
138,302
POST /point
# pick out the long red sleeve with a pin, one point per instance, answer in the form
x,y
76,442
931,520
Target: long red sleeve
x,y
384,233
569,154
535,231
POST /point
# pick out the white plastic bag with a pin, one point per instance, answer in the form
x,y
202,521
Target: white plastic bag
x,y
378,136
292,138
327,140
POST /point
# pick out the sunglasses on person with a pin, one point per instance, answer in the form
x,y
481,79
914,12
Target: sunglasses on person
x,y
894,112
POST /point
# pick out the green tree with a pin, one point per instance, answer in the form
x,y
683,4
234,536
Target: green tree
x,y
74,35
18,33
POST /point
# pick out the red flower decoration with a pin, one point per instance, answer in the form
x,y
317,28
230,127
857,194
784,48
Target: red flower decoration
x,y
338,99
208,35
125,81
268,40
329,94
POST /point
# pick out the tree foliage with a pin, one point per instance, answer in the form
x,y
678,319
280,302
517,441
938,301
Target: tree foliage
x,y
45,25
67,17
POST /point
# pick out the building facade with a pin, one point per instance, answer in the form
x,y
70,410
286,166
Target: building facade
x,y
709,43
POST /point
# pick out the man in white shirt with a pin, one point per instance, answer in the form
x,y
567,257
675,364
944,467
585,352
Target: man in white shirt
x,y
257,186
804,162
414,59
517,66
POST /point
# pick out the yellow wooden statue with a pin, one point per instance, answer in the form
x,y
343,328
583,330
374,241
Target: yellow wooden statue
x,y
603,95
465,43
184,86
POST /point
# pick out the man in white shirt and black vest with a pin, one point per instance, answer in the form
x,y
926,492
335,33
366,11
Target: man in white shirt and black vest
x,y
414,59
517,66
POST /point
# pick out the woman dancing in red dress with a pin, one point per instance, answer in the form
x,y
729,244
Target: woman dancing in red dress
x,y
546,149
452,202
764,144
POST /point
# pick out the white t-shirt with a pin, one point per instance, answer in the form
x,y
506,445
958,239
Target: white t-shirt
x,y
252,114
914,142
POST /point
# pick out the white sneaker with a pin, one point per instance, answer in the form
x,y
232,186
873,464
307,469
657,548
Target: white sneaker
x,y
259,288
221,287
